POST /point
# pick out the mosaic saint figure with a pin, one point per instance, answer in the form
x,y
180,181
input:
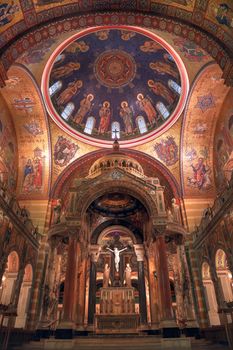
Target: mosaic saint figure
x,y
102,34
126,114
145,105
200,174
150,46
127,35
163,68
77,46
159,89
72,90
105,114
28,176
85,107
65,70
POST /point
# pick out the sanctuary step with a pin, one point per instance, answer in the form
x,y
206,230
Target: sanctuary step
x,y
132,343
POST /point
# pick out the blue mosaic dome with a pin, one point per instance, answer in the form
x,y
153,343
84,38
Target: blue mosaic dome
x,y
117,82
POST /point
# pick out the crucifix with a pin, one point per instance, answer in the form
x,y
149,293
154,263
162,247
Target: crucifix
x,y
116,253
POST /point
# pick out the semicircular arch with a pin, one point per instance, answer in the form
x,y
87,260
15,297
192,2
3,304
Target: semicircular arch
x,y
116,224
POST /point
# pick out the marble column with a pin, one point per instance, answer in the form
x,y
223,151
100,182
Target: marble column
x,y
187,293
167,319
94,255
81,292
70,282
51,265
153,287
218,291
140,252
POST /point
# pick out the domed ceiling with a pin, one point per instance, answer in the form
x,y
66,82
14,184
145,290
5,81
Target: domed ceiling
x,y
116,204
118,81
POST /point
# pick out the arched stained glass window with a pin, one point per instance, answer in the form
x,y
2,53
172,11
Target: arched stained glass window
x,y
55,87
162,110
174,86
141,124
170,58
59,58
89,125
115,130
67,111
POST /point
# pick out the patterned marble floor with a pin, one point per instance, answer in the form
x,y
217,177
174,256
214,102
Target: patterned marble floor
x,y
131,343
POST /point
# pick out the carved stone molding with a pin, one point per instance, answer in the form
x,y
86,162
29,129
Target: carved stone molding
x,y
94,252
139,251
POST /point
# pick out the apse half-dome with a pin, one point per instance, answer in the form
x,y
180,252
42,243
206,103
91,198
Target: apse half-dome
x,y
115,82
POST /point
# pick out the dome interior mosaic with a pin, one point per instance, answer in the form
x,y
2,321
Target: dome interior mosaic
x,y
112,83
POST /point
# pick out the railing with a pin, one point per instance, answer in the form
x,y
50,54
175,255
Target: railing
x,y
211,213
10,204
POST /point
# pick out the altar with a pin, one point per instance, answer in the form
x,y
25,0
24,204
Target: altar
x,y
117,311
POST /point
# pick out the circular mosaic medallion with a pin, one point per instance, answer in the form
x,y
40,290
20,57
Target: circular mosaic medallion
x,y
115,82
115,68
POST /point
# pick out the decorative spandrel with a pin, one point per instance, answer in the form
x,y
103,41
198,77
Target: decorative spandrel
x,y
117,81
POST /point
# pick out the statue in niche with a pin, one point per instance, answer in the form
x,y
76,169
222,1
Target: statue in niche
x,y
57,212
106,276
116,253
128,271
176,210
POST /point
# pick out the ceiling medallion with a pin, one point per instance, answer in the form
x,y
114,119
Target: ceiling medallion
x,y
115,82
115,68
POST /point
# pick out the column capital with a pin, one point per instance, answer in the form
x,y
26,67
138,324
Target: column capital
x,y
54,241
158,230
94,252
74,232
139,251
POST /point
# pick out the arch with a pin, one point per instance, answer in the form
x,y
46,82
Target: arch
x,y
84,163
130,187
224,274
9,278
220,260
53,89
40,155
140,120
13,262
111,224
202,99
116,130
24,297
174,86
210,296
162,109
219,49
68,110
90,124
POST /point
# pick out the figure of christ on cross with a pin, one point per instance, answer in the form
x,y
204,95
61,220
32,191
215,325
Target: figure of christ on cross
x,y
116,253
